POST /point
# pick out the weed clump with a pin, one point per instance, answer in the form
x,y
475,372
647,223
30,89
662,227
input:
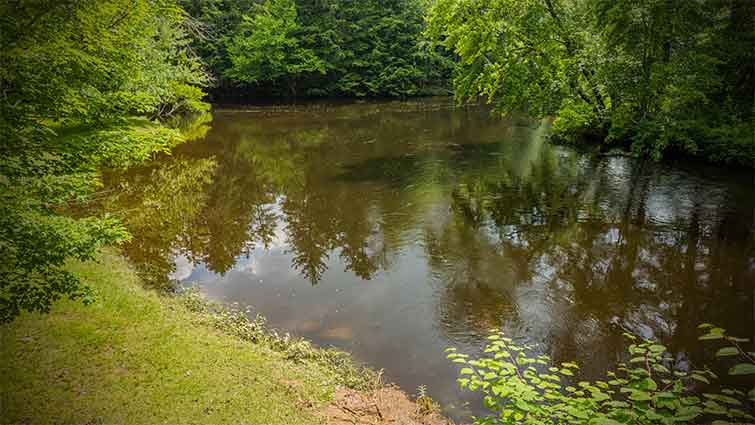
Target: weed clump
x,y
234,321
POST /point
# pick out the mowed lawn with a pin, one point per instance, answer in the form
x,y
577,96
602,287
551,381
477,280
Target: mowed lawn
x,y
135,357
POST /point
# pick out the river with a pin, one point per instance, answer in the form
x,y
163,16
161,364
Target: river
x,y
394,230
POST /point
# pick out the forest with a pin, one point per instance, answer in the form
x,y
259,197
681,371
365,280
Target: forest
x,y
665,77
88,84
319,48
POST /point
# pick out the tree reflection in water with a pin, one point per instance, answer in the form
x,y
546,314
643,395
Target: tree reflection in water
x,y
555,246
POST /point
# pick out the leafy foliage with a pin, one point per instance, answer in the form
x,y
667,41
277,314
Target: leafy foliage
x,y
521,388
665,76
332,47
74,76
266,47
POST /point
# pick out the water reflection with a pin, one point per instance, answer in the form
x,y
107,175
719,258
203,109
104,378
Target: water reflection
x,y
397,229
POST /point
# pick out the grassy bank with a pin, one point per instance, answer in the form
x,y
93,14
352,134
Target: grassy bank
x,y
135,357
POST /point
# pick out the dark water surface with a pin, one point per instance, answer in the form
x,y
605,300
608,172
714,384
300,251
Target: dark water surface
x,y
395,230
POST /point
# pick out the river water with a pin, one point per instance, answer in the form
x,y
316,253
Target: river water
x,y
395,230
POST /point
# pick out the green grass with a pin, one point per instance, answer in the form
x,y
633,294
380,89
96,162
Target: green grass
x,y
135,357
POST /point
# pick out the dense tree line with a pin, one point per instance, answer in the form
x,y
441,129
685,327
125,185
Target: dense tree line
x,y
321,47
667,76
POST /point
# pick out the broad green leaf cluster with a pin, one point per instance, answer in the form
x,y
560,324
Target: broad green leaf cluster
x,y
665,76
83,83
522,388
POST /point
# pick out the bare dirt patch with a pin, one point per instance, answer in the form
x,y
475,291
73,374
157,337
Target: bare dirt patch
x,y
387,405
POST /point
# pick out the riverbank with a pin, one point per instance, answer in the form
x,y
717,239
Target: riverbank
x,y
138,357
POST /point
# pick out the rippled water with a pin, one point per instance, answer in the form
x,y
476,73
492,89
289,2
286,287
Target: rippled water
x,y
395,230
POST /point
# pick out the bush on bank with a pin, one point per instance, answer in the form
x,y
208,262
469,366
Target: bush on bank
x,y
521,388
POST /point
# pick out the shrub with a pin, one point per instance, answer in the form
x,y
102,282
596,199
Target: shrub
x,y
521,388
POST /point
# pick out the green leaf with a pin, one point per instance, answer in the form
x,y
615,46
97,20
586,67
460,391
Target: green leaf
x,y
523,405
743,369
618,404
648,384
661,368
698,377
723,398
710,337
577,413
599,396
714,408
714,333
727,351
639,396
657,348
690,401
466,371
604,421
687,413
